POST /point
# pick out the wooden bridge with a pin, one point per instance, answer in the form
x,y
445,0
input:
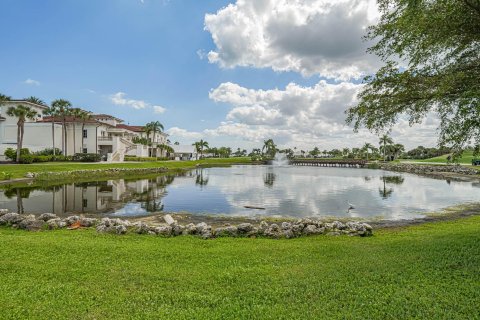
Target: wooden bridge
x,y
346,163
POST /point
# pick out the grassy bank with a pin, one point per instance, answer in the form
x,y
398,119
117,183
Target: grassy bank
x,y
427,272
466,158
19,170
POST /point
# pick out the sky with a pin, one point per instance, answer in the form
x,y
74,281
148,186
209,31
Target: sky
x,y
233,73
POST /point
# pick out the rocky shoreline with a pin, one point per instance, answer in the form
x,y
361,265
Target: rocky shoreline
x,y
171,228
447,172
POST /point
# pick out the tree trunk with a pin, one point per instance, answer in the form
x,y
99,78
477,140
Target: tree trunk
x,y
74,139
19,143
63,137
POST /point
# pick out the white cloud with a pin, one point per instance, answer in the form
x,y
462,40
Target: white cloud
x,y
120,99
307,36
32,82
299,116
158,109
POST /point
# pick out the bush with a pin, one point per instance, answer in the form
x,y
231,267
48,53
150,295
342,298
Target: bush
x,y
139,159
11,153
48,152
5,176
42,158
26,158
87,157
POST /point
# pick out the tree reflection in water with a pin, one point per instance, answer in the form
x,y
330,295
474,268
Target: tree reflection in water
x,y
385,192
200,179
269,179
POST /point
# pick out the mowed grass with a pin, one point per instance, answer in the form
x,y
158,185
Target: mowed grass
x,y
19,170
430,271
466,158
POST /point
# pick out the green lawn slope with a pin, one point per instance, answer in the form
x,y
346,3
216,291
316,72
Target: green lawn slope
x,y
429,271
466,158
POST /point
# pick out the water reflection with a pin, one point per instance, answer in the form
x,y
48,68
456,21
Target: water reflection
x,y
292,191
387,192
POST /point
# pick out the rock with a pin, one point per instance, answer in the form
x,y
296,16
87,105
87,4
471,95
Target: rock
x,y
190,229
47,216
201,226
229,231
297,229
29,175
262,227
106,222
3,212
311,229
88,222
31,224
273,231
143,228
10,218
165,230
71,220
151,233
178,229
121,229
286,225
169,220
53,223
338,225
244,228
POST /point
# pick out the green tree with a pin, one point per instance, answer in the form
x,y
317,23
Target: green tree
x,y
52,112
22,113
384,141
76,114
63,111
269,147
200,146
35,100
431,51
153,127
367,147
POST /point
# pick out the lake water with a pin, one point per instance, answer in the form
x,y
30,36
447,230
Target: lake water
x,y
281,190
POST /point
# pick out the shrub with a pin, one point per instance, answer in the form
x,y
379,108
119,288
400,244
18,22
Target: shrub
x,y
11,153
26,158
87,157
37,158
5,176
139,159
48,152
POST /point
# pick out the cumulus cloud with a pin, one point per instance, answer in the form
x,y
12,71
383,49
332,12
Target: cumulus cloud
x,y
119,99
300,116
159,109
32,82
307,36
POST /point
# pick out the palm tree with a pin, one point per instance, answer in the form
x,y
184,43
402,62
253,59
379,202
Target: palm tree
x,y
63,110
76,113
154,126
52,112
269,147
35,100
22,113
397,150
385,139
367,147
200,145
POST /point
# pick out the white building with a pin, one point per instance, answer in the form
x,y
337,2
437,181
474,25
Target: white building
x,y
102,134
185,152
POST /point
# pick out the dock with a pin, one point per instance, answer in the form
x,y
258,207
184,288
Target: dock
x,y
343,163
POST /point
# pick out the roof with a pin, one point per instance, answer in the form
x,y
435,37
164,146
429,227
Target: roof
x,y
71,119
106,116
131,128
26,102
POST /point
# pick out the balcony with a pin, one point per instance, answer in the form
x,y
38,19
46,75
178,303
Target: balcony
x,y
105,140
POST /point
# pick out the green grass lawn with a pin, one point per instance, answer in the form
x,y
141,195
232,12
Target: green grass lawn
x,y
466,158
429,271
19,170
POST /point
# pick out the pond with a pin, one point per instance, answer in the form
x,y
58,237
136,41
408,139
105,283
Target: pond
x,y
279,190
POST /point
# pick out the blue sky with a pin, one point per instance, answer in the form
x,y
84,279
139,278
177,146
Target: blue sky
x,y
156,52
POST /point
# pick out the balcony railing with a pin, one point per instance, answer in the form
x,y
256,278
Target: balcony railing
x,y
105,138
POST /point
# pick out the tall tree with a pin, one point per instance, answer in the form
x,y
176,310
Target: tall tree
x,y
22,113
63,111
200,146
76,114
269,148
384,141
431,51
35,100
154,127
367,147
52,112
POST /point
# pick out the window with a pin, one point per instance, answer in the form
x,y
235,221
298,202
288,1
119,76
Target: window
x,y
85,150
85,133
85,203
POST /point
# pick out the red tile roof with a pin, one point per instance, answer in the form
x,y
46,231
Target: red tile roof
x,y
131,128
106,116
71,119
